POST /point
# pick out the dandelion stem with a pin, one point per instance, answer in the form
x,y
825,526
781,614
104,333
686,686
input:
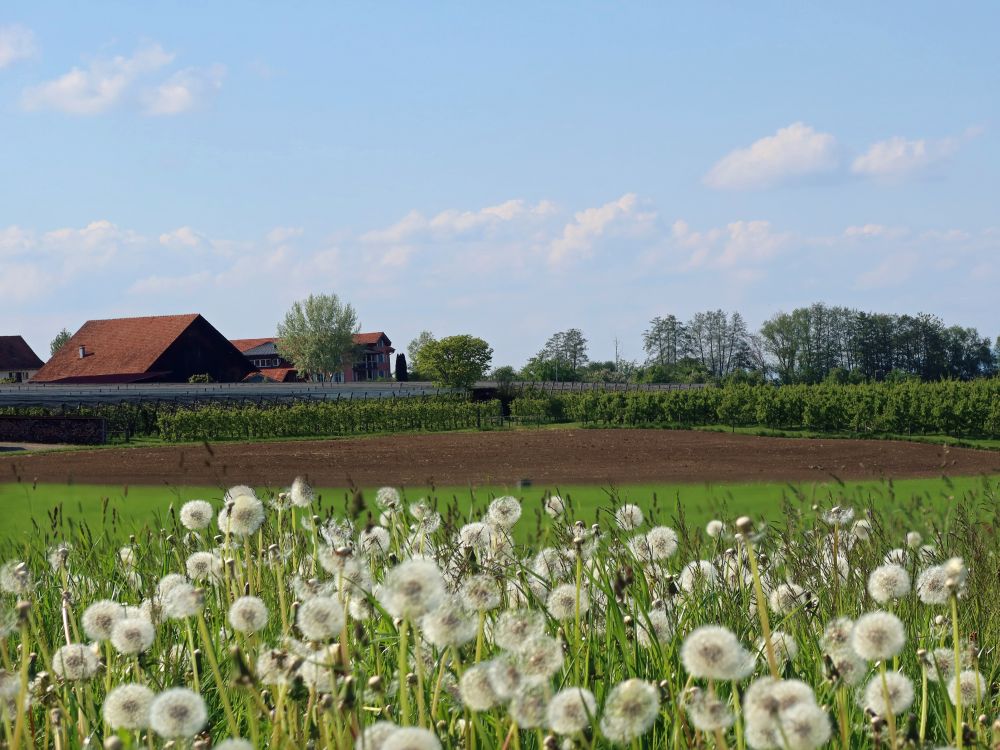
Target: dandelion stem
x,y
890,714
402,671
959,739
765,624
220,686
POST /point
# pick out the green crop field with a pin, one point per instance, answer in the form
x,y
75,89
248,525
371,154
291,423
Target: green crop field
x,y
29,509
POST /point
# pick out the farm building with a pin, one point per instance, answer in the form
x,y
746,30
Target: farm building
x,y
17,361
159,349
371,361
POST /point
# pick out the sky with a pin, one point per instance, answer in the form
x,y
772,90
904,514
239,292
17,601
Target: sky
x,y
507,170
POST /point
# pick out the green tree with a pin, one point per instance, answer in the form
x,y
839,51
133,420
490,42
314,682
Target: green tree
x,y
59,341
413,352
317,335
456,361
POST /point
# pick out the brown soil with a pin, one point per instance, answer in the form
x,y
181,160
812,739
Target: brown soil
x,y
544,456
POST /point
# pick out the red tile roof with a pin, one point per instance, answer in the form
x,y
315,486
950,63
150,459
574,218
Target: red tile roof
x,y
15,354
369,338
277,374
245,345
123,348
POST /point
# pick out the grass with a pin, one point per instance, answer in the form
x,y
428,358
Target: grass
x,y
41,508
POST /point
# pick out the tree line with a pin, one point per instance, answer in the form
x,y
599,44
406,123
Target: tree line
x,y
814,344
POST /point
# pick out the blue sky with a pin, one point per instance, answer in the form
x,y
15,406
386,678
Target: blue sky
x,y
506,170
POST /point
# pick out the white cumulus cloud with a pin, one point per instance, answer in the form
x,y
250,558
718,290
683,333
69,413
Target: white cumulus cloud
x,y
578,236
898,157
183,90
181,237
16,43
793,154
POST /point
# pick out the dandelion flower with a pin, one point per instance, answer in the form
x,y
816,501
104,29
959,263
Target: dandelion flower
x,y
412,589
878,635
476,535
973,687
132,635
74,662
100,617
183,600
839,516
888,582
715,528
320,618
562,602
248,614
237,743
411,738
847,666
899,694
476,689
127,707
714,652
571,710
505,676
784,646
914,539
449,625
629,517
630,710
242,515
862,529
932,585
708,713
196,514
178,713
515,627
504,511
529,706
554,506
59,556
15,578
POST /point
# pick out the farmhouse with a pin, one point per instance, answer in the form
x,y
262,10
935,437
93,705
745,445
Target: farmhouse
x,y
371,361
158,349
17,361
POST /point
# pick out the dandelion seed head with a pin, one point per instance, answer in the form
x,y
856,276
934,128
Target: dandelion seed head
x,y
183,600
972,685
100,617
301,493
899,692
714,652
196,514
505,676
932,585
805,726
411,738
476,536
234,743
504,511
784,646
127,707
562,602
529,706
320,618
698,575
449,625
388,498
59,556
375,540
515,627
862,529
554,506
375,735
480,593
785,598
630,710
15,578
412,589
839,516
708,713
656,628
629,517
662,542
476,689
126,555
274,667
248,614
74,662
242,515
204,566
178,713
849,668
878,635
888,582
715,528
914,539
541,657
132,635
571,710
895,556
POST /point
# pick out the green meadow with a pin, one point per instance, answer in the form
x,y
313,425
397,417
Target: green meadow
x,y
40,510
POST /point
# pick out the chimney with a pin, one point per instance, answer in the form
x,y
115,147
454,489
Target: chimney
x,y
83,351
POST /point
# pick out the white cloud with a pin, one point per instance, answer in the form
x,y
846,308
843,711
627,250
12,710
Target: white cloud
x,y
793,154
13,240
183,90
453,223
872,231
100,86
181,237
579,236
897,157
16,43
730,248
893,270
282,234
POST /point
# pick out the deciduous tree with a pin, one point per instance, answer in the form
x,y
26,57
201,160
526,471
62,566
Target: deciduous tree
x,y
317,335
456,361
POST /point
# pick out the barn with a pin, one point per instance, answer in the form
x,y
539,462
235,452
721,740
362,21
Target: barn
x,y
17,361
154,349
